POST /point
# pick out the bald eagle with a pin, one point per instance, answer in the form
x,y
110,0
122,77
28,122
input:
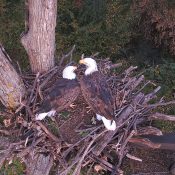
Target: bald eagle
x,y
97,93
63,93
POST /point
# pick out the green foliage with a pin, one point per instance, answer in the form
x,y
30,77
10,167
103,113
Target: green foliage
x,y
53,127
103,26
93,26
165,126
164,75
64,114
12,25
15,168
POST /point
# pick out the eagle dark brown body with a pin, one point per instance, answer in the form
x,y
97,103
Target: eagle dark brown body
x,y
63,93
98,94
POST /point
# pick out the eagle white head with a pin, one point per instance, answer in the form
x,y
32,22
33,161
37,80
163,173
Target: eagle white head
x,y
68,72
90,64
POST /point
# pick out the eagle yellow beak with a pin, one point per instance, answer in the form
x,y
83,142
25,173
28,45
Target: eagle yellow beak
x,y
82,61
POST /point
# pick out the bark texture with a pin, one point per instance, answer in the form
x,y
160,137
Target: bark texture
x,y
11,85
39,164
39,39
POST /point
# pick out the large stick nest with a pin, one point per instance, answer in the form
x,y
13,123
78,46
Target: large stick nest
x,y
93,144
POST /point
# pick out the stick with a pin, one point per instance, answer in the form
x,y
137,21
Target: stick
x,y
113,66
129,70
47,73
104,163
121,153
76,159
48,132
162,104
78,167
159,116
151,95
133,157
47,79
33,89
67,55
71,147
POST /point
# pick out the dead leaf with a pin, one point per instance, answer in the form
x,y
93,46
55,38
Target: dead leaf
x,y
98,168
7,122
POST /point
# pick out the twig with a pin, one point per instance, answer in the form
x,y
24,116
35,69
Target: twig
x,y
29,148
129,70
161,104
48,72
154,173
159,116
47,79
5,53
19,108
104,163
19,68
149,130
71,147
85,130
49,134
151,95
33,89
121,153
6,114
76,159
147,83
95,54
133,157
90,169
5,132
67,55
78,167
113,66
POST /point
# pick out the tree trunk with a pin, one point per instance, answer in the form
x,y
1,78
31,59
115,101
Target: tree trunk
x,y
11,85
39,40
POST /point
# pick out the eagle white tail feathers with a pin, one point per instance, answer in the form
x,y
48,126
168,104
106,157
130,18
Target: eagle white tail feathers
x,y
43,115
110,125
99,117
51,113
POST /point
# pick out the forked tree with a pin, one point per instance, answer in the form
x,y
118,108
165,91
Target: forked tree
x,y
39,43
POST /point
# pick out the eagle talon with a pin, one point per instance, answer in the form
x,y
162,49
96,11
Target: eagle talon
x,y
72,106
89,111
93,121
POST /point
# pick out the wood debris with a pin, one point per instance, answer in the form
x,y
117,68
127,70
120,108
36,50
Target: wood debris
x,y
37,139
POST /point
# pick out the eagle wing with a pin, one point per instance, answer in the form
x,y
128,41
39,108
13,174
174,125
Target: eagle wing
x,y
61,95
98,94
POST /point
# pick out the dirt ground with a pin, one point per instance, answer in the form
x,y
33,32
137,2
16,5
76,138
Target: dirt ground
x,y
79,116
70,122
154,162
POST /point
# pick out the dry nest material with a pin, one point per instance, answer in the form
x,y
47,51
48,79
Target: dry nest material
x,y
96,146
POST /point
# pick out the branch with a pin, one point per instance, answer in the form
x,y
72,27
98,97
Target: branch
x,y
159,116
133,157
162,104
67,55
113,66
49,134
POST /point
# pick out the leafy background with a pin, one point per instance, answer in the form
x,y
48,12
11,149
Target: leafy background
x,y
129,31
